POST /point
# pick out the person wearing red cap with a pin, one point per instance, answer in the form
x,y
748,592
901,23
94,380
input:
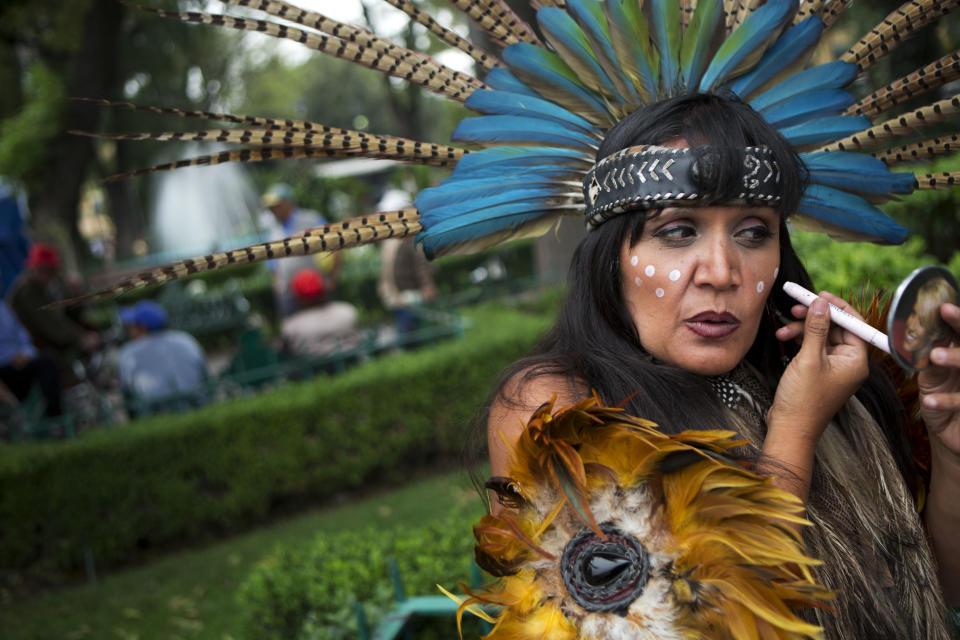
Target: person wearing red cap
x,y
53,331
22,368
321,326
288,220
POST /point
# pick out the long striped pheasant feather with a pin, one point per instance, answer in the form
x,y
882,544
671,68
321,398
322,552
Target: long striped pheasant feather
x,y
549,91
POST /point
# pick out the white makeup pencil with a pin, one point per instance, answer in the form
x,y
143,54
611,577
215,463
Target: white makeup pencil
x,y
841,318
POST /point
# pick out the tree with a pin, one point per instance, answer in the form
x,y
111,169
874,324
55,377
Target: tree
x,y
90,48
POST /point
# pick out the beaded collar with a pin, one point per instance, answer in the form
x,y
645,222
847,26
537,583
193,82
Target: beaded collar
x,y
741,391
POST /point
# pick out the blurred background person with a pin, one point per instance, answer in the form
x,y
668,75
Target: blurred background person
x,y
58,333
157,363
14,244
406,276
287,220
320,326
22,367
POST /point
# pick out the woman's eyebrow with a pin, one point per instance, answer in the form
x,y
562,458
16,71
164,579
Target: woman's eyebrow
x,y
677,212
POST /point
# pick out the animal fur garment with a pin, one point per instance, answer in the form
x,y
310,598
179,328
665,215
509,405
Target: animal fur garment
x,y
610,529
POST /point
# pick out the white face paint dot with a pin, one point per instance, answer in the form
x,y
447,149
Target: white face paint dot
x,y
760,286
776,272
675,275
649,271
634,260
659,293
637,281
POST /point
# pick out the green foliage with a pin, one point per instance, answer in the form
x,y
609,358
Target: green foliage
x,y
308,592
846,267
177,480
933,214
193,593
24,136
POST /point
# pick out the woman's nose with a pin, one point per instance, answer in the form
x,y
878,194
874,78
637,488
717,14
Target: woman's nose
x,y
718,266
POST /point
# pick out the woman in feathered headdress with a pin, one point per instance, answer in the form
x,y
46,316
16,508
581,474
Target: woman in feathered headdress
x,y
675,305
675,309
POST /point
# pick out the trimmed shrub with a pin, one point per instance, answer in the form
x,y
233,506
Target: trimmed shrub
x,y
309,592
847,267
179,479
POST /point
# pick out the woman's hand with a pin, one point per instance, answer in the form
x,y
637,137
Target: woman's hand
x,y
830,367
940,410
940,391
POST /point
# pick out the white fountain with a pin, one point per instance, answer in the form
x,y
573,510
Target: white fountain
x,y
197,210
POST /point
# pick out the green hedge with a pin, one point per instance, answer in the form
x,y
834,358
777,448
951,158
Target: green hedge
x,y
308,592
847,267
175,480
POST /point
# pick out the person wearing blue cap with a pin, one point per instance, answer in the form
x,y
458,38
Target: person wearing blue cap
x,y
159,367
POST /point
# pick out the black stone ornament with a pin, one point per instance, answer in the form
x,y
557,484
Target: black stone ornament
x,y
605,575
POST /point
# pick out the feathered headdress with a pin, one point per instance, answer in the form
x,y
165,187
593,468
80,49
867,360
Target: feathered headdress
x,y
616,530
546,101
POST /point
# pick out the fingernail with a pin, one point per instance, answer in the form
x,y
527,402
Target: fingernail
x,y
930,402
819,307
939,355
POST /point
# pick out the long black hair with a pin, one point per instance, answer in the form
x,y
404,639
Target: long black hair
x,y
594,343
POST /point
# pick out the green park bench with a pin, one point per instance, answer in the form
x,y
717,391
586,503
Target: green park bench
x,y
258,364
222,311
407,608
27,422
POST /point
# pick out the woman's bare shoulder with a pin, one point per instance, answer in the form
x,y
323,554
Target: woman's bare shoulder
x,y
523,394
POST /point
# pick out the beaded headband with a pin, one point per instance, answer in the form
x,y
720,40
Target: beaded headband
x,y
652,177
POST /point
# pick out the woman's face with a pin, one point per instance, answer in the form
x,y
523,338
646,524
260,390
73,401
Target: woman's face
x,y
697,280
915,336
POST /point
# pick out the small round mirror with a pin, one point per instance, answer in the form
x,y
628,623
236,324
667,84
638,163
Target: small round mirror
x,y
914,324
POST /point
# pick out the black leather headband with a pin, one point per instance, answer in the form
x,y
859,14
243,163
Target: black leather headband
x,y
651,177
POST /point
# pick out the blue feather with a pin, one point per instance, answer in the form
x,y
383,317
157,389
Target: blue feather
x,y
589,15
505,103
518,167
855,172
499,159
569,40
502,79
813,104
470,226
545,67
629,34
453,213
832,75
851,213
748,41
452,192
493,209
665,19
698,40
520,130
792,44
824,130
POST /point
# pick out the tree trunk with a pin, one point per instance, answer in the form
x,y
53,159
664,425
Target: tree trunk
x,y
90,72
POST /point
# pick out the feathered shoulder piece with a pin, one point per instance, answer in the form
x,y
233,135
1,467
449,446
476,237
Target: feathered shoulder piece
x,y
610,529
546,96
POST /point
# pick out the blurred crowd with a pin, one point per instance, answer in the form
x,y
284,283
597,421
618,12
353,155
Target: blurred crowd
x,y
46,349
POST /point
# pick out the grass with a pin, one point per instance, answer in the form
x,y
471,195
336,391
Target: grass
x,y
190,594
